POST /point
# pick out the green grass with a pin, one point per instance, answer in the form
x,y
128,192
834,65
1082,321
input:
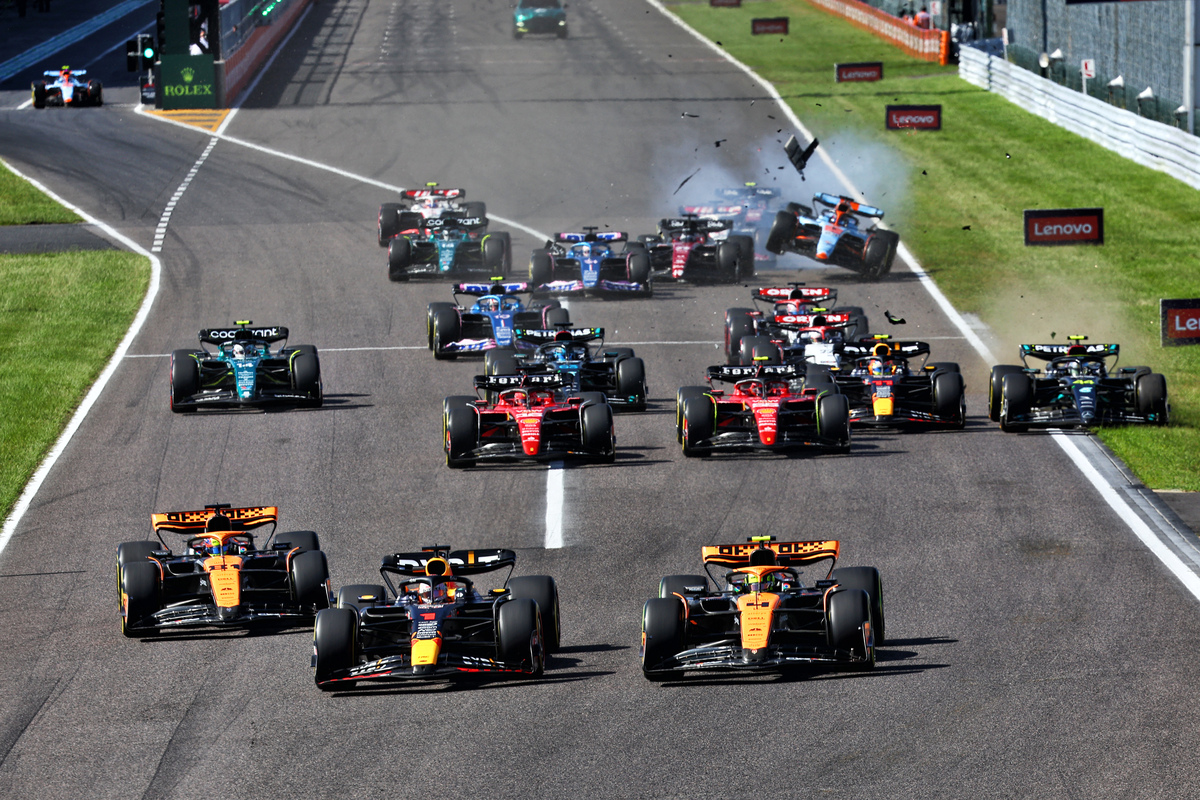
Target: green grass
x,y
990,161
22,204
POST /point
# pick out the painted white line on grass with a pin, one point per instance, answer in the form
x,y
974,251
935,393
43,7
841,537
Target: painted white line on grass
x,y
35,483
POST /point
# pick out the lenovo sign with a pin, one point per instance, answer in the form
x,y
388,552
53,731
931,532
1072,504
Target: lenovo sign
x,y
769,25
928,117
1180,321
1064,226
865,71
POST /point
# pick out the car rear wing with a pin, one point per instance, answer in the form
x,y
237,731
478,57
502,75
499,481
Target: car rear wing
x,y
444,194
481,289
732,373
786,553
819,320
747,192
462,562
574,237
710,210
533,379
804,294
56,72
862,209
867,348
449,222
190,523
1046,352
545,336
219,336
699,225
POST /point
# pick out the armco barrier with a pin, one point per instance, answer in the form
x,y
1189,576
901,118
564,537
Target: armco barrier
x,y
241,67
1151,144
928,45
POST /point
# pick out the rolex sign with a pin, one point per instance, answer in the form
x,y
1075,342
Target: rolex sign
x,y
187,82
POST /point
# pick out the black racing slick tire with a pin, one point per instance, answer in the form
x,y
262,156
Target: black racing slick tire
x,y
596,426
389,222
699,422
310,580
335,645
519,638
879,254
662,636
501,361
461,435
1151,391
847,611
494,253
950,397
995,383
1016,399
136,552
756,347
141,588
541,268
783,233
399,259
447,329
557,317
39,94
729,262
745,256
631,382
306,379
682,585
681,395
543,590
945,366
639,267
867,579
299,540
738,323
361,595
433,310
185,380
833,420
95,93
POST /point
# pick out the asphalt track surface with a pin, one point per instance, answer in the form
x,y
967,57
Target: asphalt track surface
x,y
1034,645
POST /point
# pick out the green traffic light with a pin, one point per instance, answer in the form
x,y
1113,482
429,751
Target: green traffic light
x,y
148,52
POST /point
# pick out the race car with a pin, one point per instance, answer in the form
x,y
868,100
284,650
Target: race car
x,y
1078,387
67,90
580,355
766,619
587,262
771,407
527,416
447,246
750,207
429,203
540,16
796,323
884,388
220,576
432,622
699,250
245,371
838,232
456,330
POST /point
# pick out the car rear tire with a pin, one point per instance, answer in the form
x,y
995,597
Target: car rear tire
x,y
349,596
879,254
698,423
519,638
39,94
544,591
310,580
306,379
541,268
95,91
662,636
847,612
867,579
738,323
461,435
1151,391
729,261
631,382
476,208
493,254
500,361
141,588
185,380
335,644
556,317
434,310
833,420
950,397
399,258
389,222
783,232
447,329
681,395
639,267
755,346
596,424
745,256
995,383
1016,398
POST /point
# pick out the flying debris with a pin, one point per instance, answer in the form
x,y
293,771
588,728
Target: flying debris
x,y
799,154
685,180
894,320
690,116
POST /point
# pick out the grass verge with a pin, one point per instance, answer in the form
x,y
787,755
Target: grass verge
x,y
957,197
22,204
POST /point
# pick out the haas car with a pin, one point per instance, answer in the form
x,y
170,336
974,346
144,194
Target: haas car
x,y
1078,387
429,203
446,246
691,248
839,232
580,356
770,407
67,89
432,622
751,208
454,329
245,369
528,416
796,325
886,388
766,618
220,576
587,262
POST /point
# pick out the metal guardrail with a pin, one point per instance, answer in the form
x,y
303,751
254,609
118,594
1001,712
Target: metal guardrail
x,y
1146,142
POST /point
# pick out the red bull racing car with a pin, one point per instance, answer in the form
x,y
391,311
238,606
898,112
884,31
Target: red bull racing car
x,y
886,388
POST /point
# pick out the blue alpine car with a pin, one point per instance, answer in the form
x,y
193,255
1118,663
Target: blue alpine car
x,y
456,330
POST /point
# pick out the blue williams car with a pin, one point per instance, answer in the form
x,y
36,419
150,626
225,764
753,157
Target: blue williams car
x,y
836,230
540,16
67,90
587,262
455,330
245,370
447,246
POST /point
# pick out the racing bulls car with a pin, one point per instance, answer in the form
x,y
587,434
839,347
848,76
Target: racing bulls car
x,y
220,577
1077,388
429,203
835,233
884,388
581,356
67,90
797,324
699,250
750,208
455,330
769,408
587,261
527,417
446,246
766,619
436,623
244,371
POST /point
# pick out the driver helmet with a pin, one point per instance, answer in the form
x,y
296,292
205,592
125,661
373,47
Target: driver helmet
x,y
239,350
489,304
65,73
875,366
752,388
770,583
814,335
424,593
790,307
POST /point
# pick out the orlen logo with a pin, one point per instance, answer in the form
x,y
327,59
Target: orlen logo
x,y
1064,226
865,71
925,117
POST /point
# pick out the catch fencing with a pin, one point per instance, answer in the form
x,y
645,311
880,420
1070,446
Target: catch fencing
x,y
1152,144
928,45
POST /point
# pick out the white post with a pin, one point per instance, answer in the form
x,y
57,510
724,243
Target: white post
x,y
1189,64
